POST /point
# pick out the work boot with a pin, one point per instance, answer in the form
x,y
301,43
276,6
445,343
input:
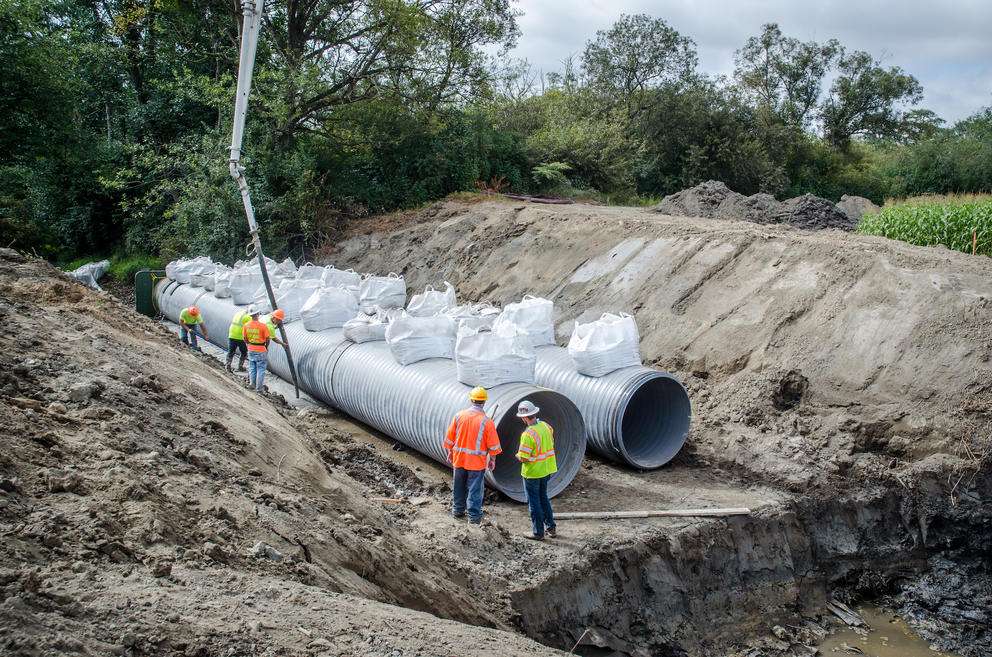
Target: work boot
x,y
241,364
227,364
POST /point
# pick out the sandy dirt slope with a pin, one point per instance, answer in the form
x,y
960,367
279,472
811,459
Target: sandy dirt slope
x,y
809,355
152,505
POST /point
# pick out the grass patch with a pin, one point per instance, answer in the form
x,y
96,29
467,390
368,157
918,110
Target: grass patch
x,y
959,222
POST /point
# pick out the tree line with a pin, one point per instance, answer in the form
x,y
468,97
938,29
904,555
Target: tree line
x,y
115,116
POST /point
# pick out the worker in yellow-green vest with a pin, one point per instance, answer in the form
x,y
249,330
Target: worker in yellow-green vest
x,y
537,456
273,321
189,318
236,339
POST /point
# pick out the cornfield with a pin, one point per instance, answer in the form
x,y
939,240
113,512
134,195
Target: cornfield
x,y
962,225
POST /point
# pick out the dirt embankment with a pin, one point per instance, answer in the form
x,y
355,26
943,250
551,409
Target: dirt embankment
x,y
150,504
852,372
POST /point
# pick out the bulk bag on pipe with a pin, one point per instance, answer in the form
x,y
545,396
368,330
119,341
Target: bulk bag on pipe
x,y
607,344
329,307
222,283
488,358
198,274
382,291
309,272
244,281
348,278
476,315
293,294
534,316
413,339
432,302
366,328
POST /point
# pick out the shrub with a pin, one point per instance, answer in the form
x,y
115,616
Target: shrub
x,y
962,225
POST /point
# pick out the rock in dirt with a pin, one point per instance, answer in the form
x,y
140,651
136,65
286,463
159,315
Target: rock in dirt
x,y
262,550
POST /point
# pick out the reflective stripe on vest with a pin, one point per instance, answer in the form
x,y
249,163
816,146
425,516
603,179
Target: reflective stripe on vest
x,y
237,329
253,335
478,439
538,453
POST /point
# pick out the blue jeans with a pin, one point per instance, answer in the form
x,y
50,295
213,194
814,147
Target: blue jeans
x,y
467,487
539,504
188,336
258,361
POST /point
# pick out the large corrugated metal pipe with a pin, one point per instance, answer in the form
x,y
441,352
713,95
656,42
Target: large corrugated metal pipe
x,y
411,403
633,415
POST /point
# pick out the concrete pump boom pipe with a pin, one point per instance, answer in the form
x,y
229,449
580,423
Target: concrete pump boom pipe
x,y
413,403
633,415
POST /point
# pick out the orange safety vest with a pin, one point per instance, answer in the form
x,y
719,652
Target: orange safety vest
x,y
256,335
471,438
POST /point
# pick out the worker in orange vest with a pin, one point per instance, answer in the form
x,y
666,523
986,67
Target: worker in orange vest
x,y
257,339
472,445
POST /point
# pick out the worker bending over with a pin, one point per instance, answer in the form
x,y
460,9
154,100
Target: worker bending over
x,y
236,339
472,445
537,456
189,318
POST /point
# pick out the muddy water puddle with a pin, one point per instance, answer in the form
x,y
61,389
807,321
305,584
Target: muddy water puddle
x,y
890,636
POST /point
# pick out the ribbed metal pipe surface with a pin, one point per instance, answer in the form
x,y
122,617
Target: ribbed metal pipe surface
x,y
413,403
634,415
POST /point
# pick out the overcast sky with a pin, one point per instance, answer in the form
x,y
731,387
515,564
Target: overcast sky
x,y
946,45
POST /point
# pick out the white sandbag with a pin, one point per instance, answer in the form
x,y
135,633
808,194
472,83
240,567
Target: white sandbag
x,y
383,292
90,273
534,316
286,268
607,344
432,302
184,269
413,339
293,294
198,274
348,278
488,358
329,307
309,271
366,328
475,315
244,281
222,283
171,269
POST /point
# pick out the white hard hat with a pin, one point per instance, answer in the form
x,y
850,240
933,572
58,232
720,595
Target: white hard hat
x,y
526,409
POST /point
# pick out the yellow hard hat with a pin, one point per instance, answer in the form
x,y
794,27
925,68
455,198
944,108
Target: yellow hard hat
x,y
478,394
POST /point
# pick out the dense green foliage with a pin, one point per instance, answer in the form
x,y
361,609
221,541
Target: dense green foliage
x,y
960,225
114,118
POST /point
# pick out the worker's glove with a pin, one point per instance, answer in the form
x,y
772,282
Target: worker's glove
x,y
451,458
492,464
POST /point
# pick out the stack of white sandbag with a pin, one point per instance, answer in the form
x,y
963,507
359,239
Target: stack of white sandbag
x,y
198,273
487,358
366,328
534,316
605,345
381,292
182,270
330,307
433,302
413,339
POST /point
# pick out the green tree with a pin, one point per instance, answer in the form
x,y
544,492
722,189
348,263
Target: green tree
x,y
784,76
637,54
865,98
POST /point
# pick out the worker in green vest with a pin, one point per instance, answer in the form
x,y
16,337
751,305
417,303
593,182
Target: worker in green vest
x,y
537,457
236,339
189,319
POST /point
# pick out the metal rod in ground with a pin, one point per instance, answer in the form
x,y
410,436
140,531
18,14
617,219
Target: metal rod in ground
x,y
667,513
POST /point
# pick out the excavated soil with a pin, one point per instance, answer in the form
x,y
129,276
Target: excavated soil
x,y
841,389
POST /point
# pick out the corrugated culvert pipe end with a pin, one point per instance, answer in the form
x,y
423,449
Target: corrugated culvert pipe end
x,y
653,423
559,412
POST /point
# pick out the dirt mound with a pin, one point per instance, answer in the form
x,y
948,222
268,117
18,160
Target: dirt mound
x,y
714,200
856,207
